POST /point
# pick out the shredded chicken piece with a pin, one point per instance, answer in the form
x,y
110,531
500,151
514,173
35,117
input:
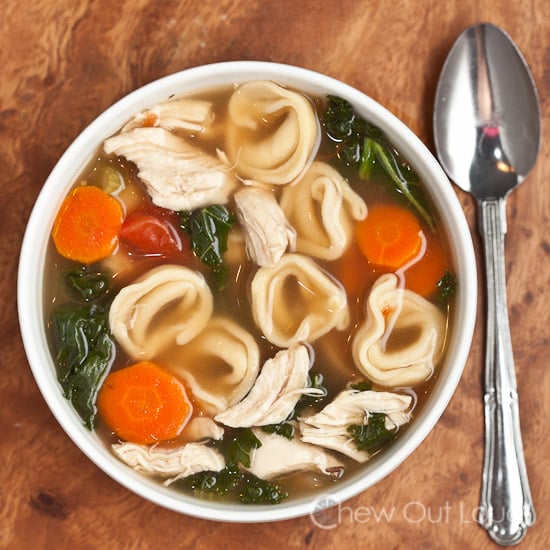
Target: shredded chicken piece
x,y
278,456
282,381
193,115
178,175
203,427
266,229
171,463
328,428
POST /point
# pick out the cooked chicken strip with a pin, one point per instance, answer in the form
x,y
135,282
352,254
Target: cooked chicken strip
x,y
177,175
278,456
193,115
267,232
328,428
203,427
171,463
282,381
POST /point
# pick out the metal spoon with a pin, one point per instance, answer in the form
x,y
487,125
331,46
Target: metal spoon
x,y
487,134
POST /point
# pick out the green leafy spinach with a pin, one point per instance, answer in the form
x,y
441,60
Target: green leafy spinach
x,y
238,446
85,350
363,147
236,449
361,385
219,483
285,429
447,287
87,285
85,353
373,436
208,229
259,491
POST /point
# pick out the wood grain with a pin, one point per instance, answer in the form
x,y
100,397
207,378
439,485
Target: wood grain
x,y
65,61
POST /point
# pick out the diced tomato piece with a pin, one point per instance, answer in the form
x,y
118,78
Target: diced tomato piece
x,y
153,234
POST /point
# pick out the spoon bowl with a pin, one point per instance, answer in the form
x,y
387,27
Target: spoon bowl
x,y
487,134
487,117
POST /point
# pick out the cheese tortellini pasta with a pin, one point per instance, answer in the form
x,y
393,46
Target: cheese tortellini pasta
x,y
220,365
396,311
272,132
323,208
296,301
170,304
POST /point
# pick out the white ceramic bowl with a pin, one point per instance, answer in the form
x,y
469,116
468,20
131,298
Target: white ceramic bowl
x,y
71,164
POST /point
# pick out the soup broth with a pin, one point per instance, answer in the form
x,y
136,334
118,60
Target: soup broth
x,y
333,352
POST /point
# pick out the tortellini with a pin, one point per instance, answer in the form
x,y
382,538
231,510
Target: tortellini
x,y
272,133
220,365
420,324
172,463
323,208
169,305
278,456
296,301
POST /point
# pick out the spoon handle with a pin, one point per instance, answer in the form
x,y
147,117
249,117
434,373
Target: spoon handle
x,y
506,507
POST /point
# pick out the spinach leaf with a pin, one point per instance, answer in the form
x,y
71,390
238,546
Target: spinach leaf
x,y
259,491
219,483
373,436
238,446
87,285
286,429
362,385
316,381
208,229
251,490
85,352
362,146
447,287
387,159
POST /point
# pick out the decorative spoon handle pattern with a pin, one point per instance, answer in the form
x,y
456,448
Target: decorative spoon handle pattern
x,y
506,507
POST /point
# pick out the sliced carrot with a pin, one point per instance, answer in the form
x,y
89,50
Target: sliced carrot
x,y
88,224
423,276
144,404
389,236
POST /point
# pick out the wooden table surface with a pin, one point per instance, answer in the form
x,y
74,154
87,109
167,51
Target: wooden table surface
x,y
64,61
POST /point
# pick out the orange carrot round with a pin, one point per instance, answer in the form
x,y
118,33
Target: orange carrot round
x,y
144,404
423,276
88,224
389,236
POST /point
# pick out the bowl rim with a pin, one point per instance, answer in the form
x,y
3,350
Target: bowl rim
x,y
71,164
